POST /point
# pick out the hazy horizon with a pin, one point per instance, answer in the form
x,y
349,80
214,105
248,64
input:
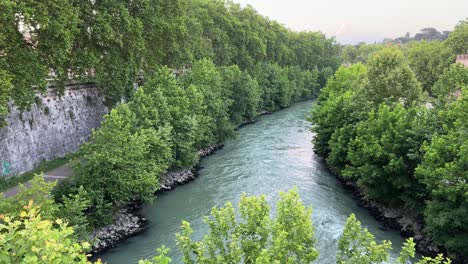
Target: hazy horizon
x,y
363,20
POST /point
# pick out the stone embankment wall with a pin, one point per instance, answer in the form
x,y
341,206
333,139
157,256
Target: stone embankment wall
x,y
53,127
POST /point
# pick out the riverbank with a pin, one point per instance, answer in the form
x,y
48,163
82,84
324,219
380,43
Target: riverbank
x,y
127,223
273,154
398,219
394,218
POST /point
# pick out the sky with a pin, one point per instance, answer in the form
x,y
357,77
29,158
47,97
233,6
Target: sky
x,y
352,21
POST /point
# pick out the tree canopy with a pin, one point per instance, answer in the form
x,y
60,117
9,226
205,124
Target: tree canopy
x,y
458,39
404,148
112,43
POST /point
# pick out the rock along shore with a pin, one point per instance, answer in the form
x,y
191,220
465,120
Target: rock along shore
x,y
396,219
127,223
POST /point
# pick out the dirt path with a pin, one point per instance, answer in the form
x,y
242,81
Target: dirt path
x,y
57,174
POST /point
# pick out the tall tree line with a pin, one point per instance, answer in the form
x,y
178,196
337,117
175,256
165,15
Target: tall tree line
x,y
112,42
241,64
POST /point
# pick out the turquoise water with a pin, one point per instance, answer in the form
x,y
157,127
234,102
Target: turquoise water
x,y
275,154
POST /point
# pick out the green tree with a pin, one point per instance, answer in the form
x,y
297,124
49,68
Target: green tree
x,y
458,39
428,60
180,116
325,74
334,106
310,82
367,50
274,84
70,207
390,79
150,113
165,32
296,82
349,53
121,162
382,155
27,238
111,41
161,258
34,38
39,192
244,93
338,146
255,238
450,83
207,79
444,172
198,108
357,245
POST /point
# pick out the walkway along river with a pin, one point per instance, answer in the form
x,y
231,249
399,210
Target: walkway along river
x,y
275,154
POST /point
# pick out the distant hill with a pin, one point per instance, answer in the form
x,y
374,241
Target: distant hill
x,y
425,34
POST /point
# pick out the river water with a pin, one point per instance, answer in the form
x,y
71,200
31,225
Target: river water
x,y
275,154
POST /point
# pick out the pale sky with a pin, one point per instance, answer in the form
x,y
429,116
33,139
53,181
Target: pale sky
x,y
352,21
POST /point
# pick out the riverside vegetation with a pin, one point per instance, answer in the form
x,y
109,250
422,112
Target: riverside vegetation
x,y
112,43
253,238
241,64
396,126
165,122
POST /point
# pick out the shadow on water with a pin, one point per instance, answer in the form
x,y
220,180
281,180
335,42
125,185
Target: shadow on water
x,y
275,154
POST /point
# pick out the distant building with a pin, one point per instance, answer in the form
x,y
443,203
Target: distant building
x,y
463,59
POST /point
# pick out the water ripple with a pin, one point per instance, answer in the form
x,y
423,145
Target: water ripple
x,y
275,154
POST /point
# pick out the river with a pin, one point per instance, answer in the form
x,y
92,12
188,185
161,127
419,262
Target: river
x,y
275,154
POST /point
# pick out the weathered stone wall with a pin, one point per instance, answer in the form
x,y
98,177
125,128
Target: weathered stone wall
x,y
55,126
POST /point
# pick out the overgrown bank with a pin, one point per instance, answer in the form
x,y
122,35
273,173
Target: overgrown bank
x,y
379,128
253,236
127,223
162,124
110,170
165,122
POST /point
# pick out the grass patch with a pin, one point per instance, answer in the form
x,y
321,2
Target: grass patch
x,y
44,166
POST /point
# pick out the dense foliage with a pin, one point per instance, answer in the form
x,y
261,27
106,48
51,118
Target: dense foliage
x,y
232,65
71,208
375,126
374,123
359,53
255,237
167,121
458,39
382,154
428,60
443,171
357,245
248,235
28,238
112,43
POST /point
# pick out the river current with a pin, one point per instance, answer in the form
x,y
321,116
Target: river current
x,y
275,154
